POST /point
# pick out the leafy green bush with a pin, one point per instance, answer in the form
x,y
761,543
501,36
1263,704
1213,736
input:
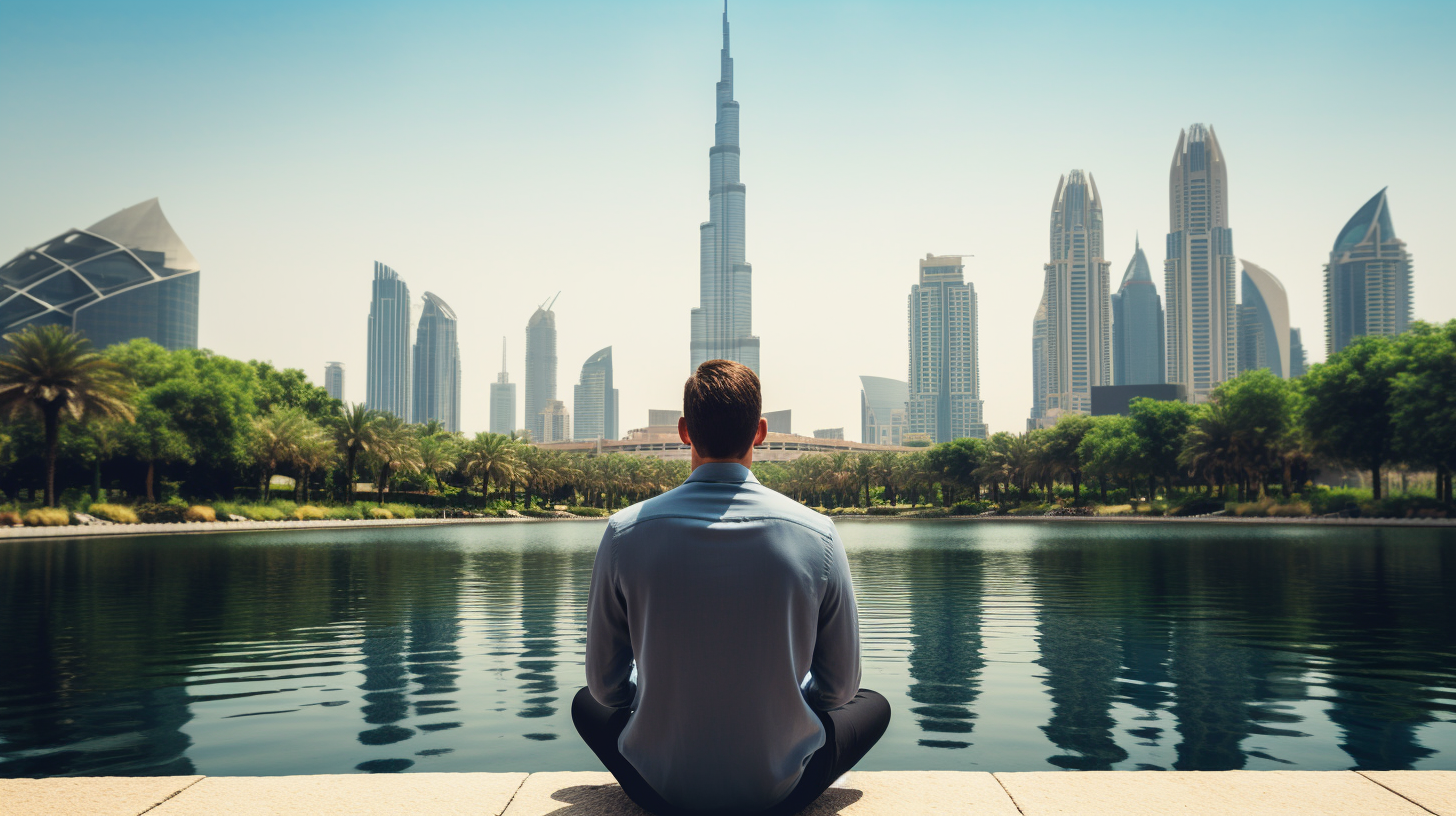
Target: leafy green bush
x,y
1405,506
1030,510
284,506
931,512
1291,510
346,511
1198,506
119,513
535,513
308,512
380,513
971,508
885,510
260,512
1327,500
400,511
590,512
199,512
47,517
155,513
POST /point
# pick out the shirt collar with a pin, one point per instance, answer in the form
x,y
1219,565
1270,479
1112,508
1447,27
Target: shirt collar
x,y
728,472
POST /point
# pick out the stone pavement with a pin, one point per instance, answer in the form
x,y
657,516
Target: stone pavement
x,y
1089,793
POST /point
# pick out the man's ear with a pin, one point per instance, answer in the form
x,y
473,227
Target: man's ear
x,y
762,433
682,430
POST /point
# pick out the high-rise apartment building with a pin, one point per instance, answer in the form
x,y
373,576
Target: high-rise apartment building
x,y
555,422
387,381
1137,326
1038,364
437,365
126,276
595,400
944,401
1199,275
882,412
1296,354
540,368
1077,350
722,325
502,399
1263,322
334,380
1368,278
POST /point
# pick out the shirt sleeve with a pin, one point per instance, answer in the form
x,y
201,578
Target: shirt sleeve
x,y
835,671
608,640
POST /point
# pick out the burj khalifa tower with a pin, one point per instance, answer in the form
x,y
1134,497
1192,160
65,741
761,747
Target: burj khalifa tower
x,y
723,321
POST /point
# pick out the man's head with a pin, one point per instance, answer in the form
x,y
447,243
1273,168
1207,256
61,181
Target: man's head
x,y
722,412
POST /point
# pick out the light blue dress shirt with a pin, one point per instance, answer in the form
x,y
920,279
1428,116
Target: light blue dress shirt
x,y
726,594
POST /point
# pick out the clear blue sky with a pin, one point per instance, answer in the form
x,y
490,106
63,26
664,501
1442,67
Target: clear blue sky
x,y
495,153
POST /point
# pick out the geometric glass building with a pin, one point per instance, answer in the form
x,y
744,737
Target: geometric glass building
x,y
722,325
387,386
1263,323
1296,354
123,277
1038,363
882,410
595,400
1078,345
1368,279
502,399
1198,276
944,400
437,365
541,372
334,380
1137,326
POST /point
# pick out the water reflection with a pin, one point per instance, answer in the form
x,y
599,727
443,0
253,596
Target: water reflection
x,y
1004,646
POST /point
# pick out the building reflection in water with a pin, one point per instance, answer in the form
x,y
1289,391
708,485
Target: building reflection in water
x,y
945,655
541,581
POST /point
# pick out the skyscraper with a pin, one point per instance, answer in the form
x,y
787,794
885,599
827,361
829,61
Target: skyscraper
x,y
540,367
1296,354
334,380
1263,322
437,365
1038,364
944,389
388,378
555,422
594,400
722,325
1198,277
1078,345
126,276
502,399
1137,326
882,410
1368,278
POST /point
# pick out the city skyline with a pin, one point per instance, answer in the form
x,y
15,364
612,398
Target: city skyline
x,y
309,197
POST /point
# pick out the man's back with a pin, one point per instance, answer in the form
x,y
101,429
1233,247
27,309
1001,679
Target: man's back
x,y
726,594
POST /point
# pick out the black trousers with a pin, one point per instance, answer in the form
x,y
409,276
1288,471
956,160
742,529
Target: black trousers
x,y
850,732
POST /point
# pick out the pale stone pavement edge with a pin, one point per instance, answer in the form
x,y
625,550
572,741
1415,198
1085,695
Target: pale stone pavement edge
x,y
1053,793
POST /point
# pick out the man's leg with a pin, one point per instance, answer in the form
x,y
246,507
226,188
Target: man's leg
x,y
599,727
850,731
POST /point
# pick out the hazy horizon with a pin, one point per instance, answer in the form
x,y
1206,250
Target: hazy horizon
x,y
496,153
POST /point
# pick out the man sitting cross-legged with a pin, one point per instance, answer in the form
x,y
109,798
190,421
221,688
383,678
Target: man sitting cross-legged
x,y
736,606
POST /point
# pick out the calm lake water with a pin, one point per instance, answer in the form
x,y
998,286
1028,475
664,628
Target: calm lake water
x,y
1001,646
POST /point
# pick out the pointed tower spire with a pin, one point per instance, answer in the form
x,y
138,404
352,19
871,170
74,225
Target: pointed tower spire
x,y
503,354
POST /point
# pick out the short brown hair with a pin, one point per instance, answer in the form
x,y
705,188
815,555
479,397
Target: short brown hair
x,y
722,403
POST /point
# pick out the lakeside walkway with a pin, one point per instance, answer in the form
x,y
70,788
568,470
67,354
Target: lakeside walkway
x,y
195,527
1053,793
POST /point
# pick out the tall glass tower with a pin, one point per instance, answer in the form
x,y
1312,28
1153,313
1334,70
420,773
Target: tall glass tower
x,y
945,382
502,399
1078,346
1368,278
540,369
1137,325
387,386
722,325
1263,323
334,380
1038,364
1200,272
595,400
437,365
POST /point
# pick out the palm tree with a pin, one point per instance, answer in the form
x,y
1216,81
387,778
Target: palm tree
x,y
54,371
437,456
275,440
491,456
314,452
354,434
1210,447
395,450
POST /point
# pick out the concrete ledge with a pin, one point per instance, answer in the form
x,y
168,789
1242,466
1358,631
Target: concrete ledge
x,y
1056,793
196,527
